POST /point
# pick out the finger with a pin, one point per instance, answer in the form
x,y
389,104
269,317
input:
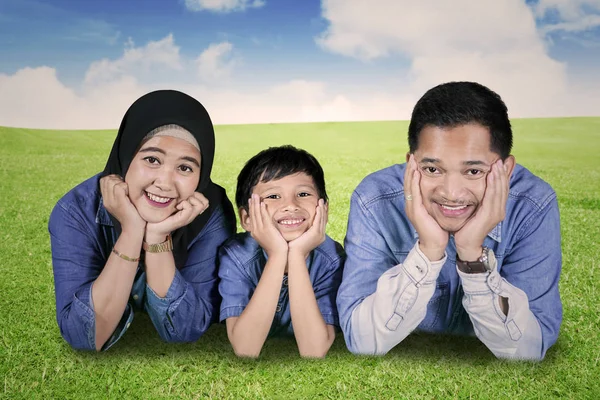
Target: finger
x,y
201,198
317,219
502,189
257,221
265,218
415,190
324,218
504,179
490,198
120,190
325,214
185,215
408,172
198,204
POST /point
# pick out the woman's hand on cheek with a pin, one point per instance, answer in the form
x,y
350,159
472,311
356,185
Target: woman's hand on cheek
x,y
187,211
115,197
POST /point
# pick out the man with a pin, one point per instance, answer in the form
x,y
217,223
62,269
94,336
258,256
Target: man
x,y
460,239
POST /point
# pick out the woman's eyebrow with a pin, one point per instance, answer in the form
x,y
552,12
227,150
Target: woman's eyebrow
x,y
190,159
152,149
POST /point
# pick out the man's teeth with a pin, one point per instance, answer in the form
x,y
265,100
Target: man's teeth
x,y
290,221
157,199
453,208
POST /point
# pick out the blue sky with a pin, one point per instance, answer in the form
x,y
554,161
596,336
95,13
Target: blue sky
x,y
287,60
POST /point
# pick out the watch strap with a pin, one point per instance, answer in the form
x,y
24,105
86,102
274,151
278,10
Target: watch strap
x,y
475,267
167,245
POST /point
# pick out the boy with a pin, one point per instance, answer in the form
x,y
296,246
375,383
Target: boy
x,y
284,268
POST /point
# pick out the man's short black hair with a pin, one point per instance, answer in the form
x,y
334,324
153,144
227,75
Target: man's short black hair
x,y
276,163
459,103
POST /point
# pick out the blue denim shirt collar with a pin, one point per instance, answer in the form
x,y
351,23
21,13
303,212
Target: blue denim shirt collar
x,y
102,215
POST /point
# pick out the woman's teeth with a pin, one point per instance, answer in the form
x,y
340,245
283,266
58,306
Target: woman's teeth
x,y
157,198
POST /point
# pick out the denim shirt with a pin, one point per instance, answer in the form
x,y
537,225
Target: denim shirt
x,y
242,262
390,288
82,237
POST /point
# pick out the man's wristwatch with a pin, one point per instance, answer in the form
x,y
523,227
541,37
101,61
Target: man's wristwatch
x,y
167,245
485,263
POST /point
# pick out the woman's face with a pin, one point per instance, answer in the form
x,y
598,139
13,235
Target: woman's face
x,y
164,172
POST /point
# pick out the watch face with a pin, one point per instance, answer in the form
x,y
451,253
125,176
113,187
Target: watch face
x,y
486,258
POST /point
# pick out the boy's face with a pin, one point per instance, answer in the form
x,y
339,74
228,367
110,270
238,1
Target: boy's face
x,y
454,164
291,203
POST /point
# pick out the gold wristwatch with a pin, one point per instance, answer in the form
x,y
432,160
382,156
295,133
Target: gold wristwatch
x,y
167,245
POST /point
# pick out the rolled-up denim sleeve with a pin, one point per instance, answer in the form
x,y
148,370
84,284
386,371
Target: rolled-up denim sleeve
x,y
326,288
380,301
77,261
235,286
192,301
529,280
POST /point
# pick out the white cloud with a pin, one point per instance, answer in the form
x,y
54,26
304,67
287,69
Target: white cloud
x,y
223,6
567,10
35,98
216,62
162,53
493,42
573,15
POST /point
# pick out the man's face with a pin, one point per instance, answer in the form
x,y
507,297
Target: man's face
x,y
164,172
454,164
291,202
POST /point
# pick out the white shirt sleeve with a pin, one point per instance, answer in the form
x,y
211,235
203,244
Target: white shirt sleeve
x,y
399,304
516,335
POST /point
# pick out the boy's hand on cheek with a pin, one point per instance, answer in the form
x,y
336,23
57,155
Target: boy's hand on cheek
x,y
187,211
315,235
263,230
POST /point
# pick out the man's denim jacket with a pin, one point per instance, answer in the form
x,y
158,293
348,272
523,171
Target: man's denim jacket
x,y
390,288
242,262
82,237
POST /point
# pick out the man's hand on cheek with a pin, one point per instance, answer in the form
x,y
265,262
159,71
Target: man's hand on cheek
x,y
187,211
315,235
469,239
263,229
432,238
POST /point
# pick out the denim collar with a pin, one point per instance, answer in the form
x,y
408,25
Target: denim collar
x,y
102,215
495,234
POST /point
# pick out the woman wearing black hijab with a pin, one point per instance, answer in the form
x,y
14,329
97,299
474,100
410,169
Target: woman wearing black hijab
x,y
143,234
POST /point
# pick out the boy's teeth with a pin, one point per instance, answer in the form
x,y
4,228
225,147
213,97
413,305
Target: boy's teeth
x,y
157,199
453,208
290,221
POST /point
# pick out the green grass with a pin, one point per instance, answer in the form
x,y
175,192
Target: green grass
x,y
38,167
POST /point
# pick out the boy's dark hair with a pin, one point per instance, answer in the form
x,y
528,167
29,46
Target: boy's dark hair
x,y
276,163
458,103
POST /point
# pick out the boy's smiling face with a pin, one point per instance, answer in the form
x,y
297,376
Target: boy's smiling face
x,y
291,202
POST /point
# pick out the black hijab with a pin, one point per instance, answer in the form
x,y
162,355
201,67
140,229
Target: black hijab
x,y
164,107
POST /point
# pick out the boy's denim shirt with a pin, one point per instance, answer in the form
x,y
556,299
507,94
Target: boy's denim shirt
x,y
242,262
526,243
82,237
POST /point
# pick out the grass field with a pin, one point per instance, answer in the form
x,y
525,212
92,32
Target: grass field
x,y
38,167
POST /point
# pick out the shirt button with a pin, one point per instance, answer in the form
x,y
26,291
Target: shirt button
x,y
127,326
135,297
278,309
285,281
